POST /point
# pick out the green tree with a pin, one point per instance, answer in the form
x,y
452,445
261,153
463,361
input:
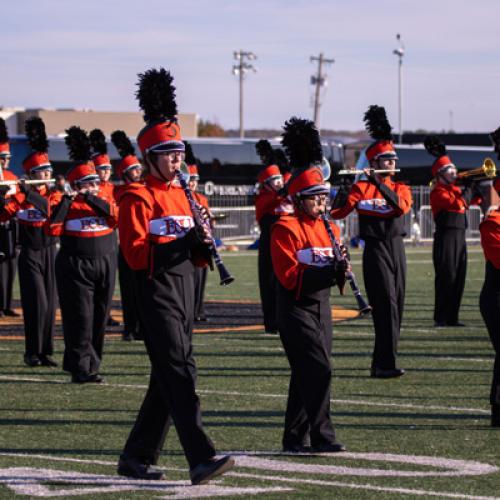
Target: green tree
x,y
206,128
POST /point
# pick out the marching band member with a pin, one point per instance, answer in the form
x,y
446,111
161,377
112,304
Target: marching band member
x,y
381,204
449,250
270,204
36,259
103,167
489,300
200,273
85,264
129,170
303,261
162,245
8,230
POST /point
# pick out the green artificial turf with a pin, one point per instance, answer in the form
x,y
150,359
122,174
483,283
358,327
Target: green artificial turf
x,y
438,409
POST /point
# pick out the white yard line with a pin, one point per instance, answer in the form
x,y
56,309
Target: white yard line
x,y
347,402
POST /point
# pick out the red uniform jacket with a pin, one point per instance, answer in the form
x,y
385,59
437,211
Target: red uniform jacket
x,y
84,226
297,243
379,215
106,191
490,238
449,204
152,214
31,211
9,176
271,203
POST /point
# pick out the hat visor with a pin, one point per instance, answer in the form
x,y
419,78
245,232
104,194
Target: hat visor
x,y
42,168
167,147
104,167
313,190
88,178
387,156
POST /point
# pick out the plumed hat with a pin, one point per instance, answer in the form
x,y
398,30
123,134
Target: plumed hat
x,y
4,139
380,129
437,148
78,145
99,156
126,151
38,159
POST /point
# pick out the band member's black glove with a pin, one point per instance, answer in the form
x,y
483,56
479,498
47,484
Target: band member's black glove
x,y
4,190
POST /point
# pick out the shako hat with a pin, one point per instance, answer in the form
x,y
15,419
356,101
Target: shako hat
x,y
78,145
380,129
302,145
4,139
99,156
437,148
156,96
267,156
126,151
38,159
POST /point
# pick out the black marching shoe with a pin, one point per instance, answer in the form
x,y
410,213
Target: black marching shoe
x,y
297,448
31,360
495,415
334,447
47,360
87,379
130,467
204,472
390,373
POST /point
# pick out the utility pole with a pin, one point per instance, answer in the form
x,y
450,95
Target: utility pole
x,y
400,51
319,80
240,69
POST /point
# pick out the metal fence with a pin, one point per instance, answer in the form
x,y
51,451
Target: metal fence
x,y
236,203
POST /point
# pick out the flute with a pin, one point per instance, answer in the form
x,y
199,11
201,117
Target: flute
x,y
360,172
363,306
26,181
224,274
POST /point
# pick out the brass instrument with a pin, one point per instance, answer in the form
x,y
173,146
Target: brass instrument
x,y
360,172
486,171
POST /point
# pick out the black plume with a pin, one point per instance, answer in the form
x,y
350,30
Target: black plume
x,y
265,151
377,124
122,143
35,132
156,95
281,160
4,136
78,144
495,137
301,143
98,141
435,146
190,159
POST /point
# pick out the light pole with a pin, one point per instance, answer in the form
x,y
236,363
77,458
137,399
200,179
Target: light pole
x,y
240,69
400,51
319,80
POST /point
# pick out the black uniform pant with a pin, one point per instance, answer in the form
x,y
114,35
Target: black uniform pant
x,y
166,305
38,298
85,287
449,254
7,263
268,283
128,296
489,304
384,273
305,328
200,280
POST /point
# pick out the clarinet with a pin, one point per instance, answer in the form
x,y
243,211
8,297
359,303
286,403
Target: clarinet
x,y
363,306
224,274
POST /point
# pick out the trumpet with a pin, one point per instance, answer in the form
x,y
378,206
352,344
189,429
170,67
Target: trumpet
x,y
360,172
487,170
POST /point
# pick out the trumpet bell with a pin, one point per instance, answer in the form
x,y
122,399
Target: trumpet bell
x,y
486,171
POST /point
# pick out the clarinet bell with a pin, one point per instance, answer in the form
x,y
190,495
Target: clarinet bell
x,y
225,276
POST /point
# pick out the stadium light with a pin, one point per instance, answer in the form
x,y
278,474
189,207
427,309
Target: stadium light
x,y
400,51
240,70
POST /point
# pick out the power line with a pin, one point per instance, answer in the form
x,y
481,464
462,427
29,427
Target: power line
x,y
319,80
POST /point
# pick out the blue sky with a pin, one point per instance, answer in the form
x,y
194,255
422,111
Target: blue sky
x,y
60,53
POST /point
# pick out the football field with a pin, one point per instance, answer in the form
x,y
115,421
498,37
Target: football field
x,y
424,435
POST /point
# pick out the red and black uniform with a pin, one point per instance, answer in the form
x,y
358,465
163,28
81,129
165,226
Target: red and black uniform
x,y
303,261
449,250
489,301
269,207
380,211
159,242
85,274
36,269
8,241
200,277
131,328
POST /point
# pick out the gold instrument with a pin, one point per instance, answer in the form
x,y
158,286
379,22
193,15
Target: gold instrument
x,y
360,172
487,170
